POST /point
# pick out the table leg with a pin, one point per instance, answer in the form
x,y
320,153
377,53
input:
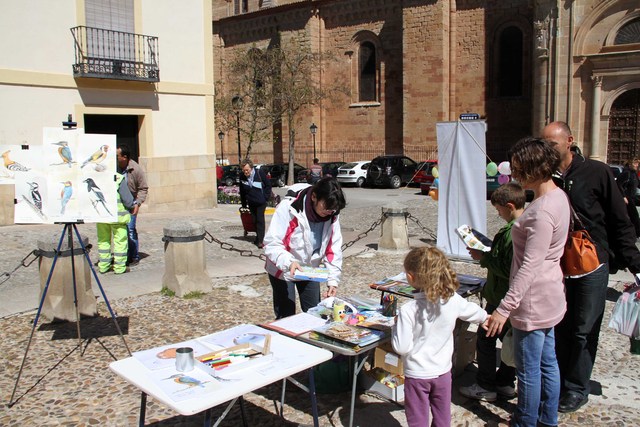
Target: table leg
x,y
244,418
143,408
357,367
207,418
314,400
284,388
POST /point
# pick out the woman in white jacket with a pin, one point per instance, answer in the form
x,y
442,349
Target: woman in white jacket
x,y
304,231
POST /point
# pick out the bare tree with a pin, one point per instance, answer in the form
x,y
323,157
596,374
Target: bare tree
x,y
240,101
272,86
295,85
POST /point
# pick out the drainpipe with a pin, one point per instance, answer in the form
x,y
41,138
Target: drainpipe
x,y
569,63
452,59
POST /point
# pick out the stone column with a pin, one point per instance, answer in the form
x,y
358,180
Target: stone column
x,y
184,260
595,118
394,234
59,301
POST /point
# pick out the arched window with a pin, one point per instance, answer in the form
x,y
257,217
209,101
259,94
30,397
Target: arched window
x,y
367,72
629,33
510,59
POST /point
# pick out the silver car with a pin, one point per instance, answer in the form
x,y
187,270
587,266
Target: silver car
x,y
353,173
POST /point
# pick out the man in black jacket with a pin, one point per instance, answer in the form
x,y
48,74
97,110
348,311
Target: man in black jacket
x,y
255,192
595,197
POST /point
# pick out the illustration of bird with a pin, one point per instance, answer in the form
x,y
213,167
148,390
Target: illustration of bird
x,y
97,157
64,152
96,195
11,165
36,198
186,380
65,194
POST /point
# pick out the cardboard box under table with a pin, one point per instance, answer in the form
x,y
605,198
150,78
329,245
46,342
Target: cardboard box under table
x,y
386,376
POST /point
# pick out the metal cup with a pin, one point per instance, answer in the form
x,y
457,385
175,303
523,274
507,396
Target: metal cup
x,y
184,359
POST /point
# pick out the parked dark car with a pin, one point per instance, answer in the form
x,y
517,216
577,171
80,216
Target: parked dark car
x,y
328,169
391,171
277,172
231,175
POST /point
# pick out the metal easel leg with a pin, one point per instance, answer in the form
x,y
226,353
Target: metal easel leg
x,y
104,296
35,321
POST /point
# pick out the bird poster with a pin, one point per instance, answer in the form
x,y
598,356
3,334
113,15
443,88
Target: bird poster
x,y
70,177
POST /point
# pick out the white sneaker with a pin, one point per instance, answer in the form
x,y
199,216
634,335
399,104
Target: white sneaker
x,y
474,391
506,391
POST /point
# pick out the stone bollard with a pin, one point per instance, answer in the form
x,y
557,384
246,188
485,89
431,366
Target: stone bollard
x,y
59,301
394,234
185,268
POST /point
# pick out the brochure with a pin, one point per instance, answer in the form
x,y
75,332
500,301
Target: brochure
x,y
473,238
295,325
315,274
342,334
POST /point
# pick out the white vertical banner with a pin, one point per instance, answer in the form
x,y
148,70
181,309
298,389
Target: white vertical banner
x,y
462,190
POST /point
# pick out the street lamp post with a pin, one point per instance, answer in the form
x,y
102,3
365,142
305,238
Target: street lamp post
x,y
221,138
313,128
237,104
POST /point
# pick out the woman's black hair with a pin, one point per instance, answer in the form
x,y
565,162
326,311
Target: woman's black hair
x,y
329,191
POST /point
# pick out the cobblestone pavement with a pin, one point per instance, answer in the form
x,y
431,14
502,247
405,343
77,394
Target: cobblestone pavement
x,y
67,383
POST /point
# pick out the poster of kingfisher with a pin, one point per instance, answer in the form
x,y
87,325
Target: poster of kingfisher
x,y
70,177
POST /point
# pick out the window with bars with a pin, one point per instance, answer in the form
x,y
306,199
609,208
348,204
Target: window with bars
x,y
368,73
629,33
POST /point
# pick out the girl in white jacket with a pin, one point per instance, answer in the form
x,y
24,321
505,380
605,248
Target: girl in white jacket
x,y
423,335
304,231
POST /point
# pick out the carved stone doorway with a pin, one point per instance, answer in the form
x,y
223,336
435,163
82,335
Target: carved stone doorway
x,y
624,128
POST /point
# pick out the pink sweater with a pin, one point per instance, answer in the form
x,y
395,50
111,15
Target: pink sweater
x,y
536,299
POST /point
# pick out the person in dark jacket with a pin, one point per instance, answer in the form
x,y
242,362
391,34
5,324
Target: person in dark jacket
x,y
596,199
628,184
255,192
509,200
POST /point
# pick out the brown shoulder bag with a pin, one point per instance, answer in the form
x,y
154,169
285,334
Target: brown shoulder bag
x,y
580,256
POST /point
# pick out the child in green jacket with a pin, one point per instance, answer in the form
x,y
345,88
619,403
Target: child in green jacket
x,y
509,200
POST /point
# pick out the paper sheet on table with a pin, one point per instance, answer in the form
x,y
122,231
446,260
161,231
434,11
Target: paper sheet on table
x,y
165,356
298,323
241,334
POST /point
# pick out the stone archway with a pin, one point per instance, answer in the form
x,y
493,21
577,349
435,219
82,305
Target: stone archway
x,y
624,128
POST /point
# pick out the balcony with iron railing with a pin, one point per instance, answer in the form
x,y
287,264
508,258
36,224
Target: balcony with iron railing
x,y
108,54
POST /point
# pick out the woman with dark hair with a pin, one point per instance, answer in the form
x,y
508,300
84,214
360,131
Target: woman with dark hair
x,y
535,301
304,231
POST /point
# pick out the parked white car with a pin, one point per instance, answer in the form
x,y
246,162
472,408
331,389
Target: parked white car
x,y
353,173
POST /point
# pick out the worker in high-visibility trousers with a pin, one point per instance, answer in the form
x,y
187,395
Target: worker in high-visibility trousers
x,y
119,231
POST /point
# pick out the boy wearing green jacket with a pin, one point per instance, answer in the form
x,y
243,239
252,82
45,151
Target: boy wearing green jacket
x,y
509,200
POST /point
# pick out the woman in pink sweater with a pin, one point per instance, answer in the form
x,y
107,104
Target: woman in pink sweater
x,y
535,302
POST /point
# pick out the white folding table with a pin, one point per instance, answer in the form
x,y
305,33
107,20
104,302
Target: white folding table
x,y
290,357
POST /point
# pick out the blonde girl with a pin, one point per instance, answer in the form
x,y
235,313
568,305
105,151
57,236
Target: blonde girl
x,y
423,335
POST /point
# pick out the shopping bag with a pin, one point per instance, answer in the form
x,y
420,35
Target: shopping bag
x,y
507,354
625,317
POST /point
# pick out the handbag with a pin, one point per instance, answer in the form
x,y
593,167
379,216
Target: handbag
x,y
580,256
625,318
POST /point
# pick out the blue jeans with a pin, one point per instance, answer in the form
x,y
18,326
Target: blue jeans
x,y
579,330
538,378
133,254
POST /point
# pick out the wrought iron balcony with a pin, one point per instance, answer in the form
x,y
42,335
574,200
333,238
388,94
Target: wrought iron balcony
x,y
108,54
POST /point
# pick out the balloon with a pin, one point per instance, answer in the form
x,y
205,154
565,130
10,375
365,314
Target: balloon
x,y
436,182
433,193
434,172
492,169
504,168
503,179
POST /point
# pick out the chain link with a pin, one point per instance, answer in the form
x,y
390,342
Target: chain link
x,y
229,247
425,229
363,234
36,255
248,253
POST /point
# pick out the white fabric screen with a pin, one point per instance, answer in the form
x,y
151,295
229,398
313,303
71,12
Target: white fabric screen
x,y
462,190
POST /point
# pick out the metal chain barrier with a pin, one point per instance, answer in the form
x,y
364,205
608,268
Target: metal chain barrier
x,y
229,247
36,255
363,234
425,229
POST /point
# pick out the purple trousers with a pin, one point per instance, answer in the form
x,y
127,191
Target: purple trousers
x,y
420,395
